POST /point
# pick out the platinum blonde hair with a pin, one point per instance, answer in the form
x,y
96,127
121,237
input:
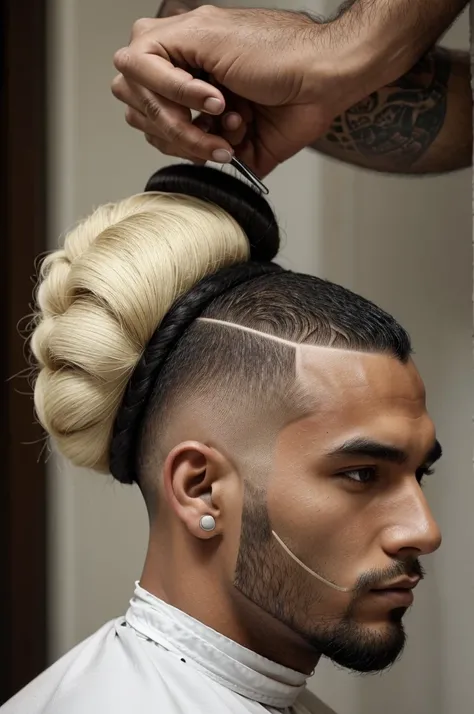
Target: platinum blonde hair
x,y
101,297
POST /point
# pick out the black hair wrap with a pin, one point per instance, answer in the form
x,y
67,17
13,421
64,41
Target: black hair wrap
x,y
256,218
241,201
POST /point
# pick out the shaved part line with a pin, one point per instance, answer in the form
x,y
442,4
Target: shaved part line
x,y
274,338
235,326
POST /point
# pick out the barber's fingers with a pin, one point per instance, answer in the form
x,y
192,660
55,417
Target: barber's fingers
x,y
139,121
157,145
132,95
140,27
158,75
121,87
231,126
170,150
236,124
196,153
234,128
171,125
231,121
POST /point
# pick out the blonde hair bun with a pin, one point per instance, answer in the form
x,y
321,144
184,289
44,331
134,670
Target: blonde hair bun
x,y
103,295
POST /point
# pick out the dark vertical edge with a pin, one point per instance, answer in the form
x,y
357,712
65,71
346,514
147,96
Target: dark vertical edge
x,y
23,635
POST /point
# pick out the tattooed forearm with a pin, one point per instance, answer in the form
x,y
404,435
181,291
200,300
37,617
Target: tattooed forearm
x,y
396,129
400,121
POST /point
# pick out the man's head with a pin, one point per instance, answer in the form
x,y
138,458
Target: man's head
x,y
282,405
293,408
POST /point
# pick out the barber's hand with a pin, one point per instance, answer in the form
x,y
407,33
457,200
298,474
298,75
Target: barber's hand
x,y
270,94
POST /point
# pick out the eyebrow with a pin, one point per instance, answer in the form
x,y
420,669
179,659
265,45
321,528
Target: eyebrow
x,y
383,452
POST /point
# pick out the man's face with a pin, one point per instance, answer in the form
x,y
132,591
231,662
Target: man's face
x,y
345,497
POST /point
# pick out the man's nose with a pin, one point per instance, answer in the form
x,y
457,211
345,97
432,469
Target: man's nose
x,y
414,530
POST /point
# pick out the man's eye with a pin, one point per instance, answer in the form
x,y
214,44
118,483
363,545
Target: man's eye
x,y
369,475
365,475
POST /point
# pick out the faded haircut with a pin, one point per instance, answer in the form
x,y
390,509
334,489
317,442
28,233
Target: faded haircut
x,y
255,377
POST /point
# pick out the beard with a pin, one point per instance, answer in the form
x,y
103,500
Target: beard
x,y
277,585
355,647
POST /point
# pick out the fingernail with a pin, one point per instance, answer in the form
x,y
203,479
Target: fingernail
x,y
222,156
232,121
213,105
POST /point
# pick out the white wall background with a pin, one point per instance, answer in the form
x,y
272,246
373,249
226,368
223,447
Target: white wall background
x,y
403,243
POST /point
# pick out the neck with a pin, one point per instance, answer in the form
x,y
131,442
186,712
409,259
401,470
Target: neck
x,y
189,582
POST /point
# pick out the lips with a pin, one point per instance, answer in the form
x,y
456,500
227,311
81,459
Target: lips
x,y
401,584
394,598
397,594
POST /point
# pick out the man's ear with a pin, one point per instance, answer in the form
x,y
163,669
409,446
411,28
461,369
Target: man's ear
x,y
196,479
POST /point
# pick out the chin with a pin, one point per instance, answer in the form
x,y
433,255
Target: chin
x,y
364,648
375,649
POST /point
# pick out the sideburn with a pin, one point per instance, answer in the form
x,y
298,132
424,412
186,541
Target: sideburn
x,y
261,575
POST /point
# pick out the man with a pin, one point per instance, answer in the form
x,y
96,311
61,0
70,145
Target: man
x,y
279,79
281,463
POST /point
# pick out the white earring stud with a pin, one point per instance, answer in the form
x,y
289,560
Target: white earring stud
x,y
207,523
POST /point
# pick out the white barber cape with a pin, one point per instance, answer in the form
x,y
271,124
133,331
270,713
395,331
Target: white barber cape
x,y
158,660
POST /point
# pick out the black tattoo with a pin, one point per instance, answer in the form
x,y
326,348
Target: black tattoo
x,y
399,122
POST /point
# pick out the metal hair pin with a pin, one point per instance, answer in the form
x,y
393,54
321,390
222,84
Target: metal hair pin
x,y
249,175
